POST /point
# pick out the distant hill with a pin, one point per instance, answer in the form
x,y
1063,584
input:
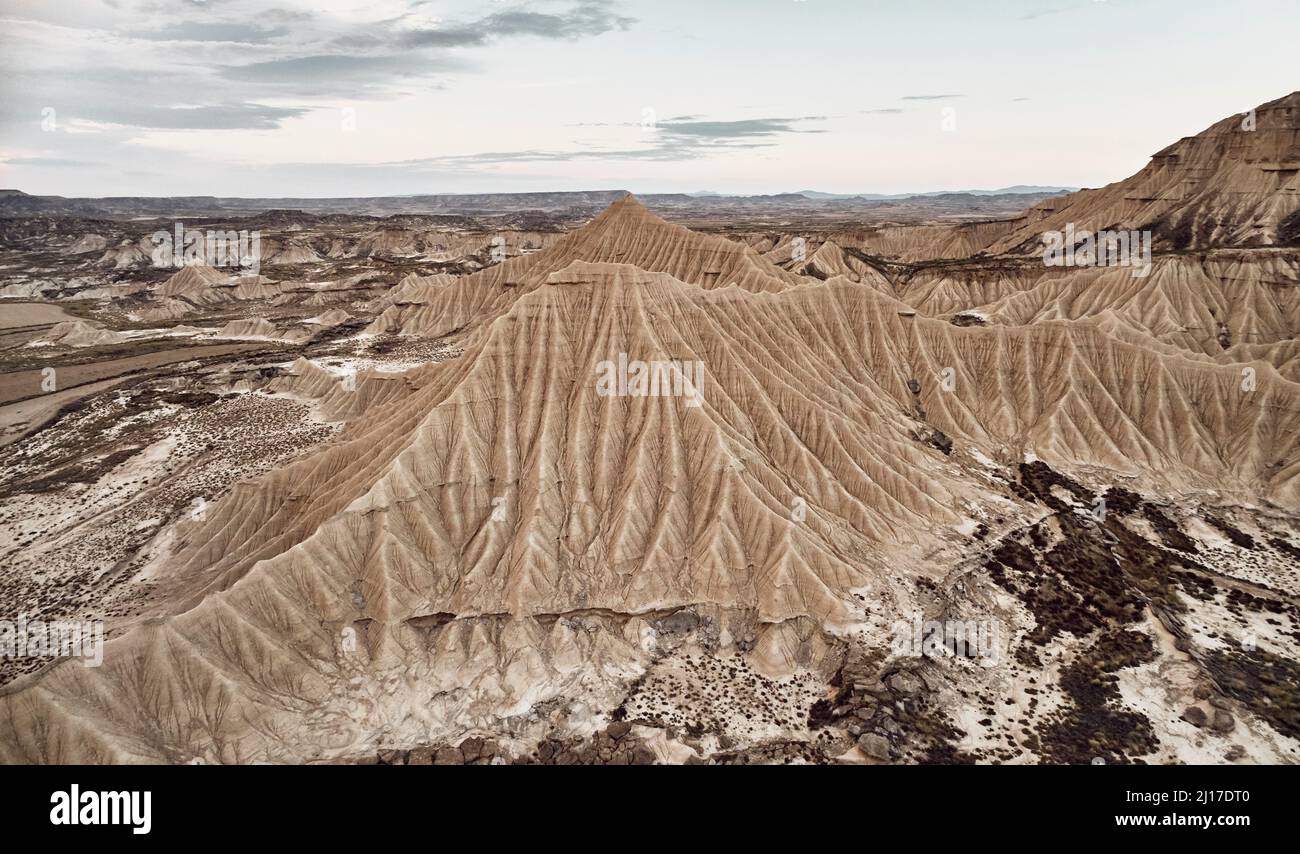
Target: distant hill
x,y
1004,191
15,203
1236,183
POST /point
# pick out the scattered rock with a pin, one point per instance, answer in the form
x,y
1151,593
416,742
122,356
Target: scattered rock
x,y
940,440
875,746
1224,722
905,684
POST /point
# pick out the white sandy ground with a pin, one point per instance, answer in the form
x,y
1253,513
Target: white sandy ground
x,y
22,418
86,527
1161,688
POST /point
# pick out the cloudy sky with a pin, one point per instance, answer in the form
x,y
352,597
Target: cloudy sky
x,y
381,97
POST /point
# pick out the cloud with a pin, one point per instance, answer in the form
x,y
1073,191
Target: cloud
x,y
338,73
242,116
128,86
538,156
677,139
155,102
930,97
882,111
99,67
392,52
439,37
211,31
1043,13
728,130
58,162
588,18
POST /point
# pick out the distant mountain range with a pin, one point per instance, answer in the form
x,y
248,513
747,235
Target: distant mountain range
x,y
15,203
1018,189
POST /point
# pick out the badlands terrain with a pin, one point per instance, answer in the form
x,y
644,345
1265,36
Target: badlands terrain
x,y
395,495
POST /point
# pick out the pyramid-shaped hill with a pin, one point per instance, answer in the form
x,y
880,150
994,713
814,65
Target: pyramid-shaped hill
x,y
193,280
1235,184
625,233
502,535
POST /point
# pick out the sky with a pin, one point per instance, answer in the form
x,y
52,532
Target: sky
x,y
318,98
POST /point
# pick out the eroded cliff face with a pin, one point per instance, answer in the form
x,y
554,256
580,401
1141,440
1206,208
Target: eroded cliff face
x,y
1233,184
